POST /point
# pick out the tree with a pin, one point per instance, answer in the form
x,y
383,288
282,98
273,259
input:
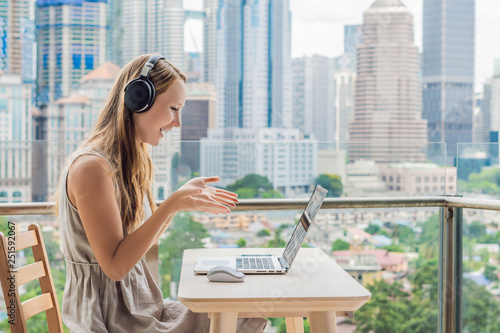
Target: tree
x,y
241,242
372,229
481,310
278,241
340,245
254,186
487,181
263,233
392,310
331,183
184,233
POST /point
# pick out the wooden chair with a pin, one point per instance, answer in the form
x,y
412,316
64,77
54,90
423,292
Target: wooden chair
x,y
12,277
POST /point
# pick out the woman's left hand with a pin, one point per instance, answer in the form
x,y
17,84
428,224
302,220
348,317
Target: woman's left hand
x,y
211,193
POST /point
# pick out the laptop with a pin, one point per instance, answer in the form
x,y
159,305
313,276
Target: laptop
x,y
267,263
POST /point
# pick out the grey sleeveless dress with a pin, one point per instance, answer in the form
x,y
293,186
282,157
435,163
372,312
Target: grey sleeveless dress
x,y
94,303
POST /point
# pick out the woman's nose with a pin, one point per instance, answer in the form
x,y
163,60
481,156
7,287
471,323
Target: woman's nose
x,y
177,120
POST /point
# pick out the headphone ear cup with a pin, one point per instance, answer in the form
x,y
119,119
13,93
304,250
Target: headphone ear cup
x,y
139,95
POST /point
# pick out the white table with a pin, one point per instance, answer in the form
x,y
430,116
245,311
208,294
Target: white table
x,y
315,287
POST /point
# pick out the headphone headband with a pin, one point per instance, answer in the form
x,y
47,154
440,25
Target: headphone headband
x,y
150,64
140,92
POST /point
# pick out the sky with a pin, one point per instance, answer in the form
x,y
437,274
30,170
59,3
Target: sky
x,y
318,28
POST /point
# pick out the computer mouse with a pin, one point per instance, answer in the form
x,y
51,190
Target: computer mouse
x,y
225,274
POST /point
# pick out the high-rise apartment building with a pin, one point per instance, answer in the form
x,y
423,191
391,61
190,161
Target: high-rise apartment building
x,y
289,161
198,115
71,118
15,139
254,93
71,42
152,26
448,71
314,97
490,108
211,8
353,37
387,123
17,37
114,34
345,79
253,64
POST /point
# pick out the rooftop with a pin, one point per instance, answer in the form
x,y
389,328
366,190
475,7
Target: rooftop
x,y
107,71
387,3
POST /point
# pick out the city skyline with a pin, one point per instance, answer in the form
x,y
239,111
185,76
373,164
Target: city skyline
x,y
326,20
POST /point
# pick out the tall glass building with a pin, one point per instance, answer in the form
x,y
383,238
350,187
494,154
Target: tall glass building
x,y
448,71
71,42
152,26
17,34
253,64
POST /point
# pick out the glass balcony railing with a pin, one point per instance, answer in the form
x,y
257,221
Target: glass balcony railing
x,y
394,222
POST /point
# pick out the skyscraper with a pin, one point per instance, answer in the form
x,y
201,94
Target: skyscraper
x,y
387,123
253,64
198,116
314,96
345,79
210,40
71,42
15,137
490,108
352,38
17,34
71,118
152,26
448,71
253,87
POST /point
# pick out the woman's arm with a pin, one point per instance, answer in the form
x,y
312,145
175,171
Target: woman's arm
x,y
91,189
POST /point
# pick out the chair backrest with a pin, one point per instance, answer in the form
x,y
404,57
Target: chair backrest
x,y
12,277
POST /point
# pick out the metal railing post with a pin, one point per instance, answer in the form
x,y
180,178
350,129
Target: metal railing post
x,y
450,270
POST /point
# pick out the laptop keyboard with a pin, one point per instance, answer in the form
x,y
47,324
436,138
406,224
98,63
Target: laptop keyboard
x,y
254,263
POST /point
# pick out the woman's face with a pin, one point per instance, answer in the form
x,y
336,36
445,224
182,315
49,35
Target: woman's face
x,y
163,115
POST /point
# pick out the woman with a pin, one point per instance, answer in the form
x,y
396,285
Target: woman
x,y
109,220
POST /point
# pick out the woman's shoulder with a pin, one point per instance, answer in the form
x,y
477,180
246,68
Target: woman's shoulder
x,y
89,168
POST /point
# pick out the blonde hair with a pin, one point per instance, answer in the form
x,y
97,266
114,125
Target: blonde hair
x,y
114,133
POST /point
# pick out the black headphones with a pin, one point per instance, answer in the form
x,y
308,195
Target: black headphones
x,y
140,92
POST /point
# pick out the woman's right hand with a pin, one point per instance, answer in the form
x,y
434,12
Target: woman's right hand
x,y
202,198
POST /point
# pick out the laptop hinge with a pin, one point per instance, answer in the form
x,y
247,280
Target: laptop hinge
x,y
283,263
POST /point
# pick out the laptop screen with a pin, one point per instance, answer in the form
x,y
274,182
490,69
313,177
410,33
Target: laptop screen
x,y
308,216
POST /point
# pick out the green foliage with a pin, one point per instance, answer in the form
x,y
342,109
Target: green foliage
x,y
282,326
481,310
38,323
272,194
245,193
474,230
254,186
184,233
4,225
487,181
277,241
331,183
263,233
391,309
406,236
428,242
372,229
250,186
241,242
490,272
394,248
340,245
425,278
